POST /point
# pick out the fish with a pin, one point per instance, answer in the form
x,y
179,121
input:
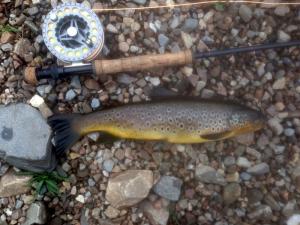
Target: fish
x,y
175,120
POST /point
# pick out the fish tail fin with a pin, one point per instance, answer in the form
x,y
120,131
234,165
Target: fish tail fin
x,y
63,131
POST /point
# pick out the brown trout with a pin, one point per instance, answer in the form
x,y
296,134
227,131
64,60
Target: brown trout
x,y
173,120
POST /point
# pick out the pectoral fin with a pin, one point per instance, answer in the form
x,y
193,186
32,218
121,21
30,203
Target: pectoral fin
x,y
216,136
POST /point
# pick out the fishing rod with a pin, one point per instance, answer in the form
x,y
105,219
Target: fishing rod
x,y
73,33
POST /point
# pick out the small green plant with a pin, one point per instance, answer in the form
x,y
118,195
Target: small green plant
x,y
8,28
219,6
45,182
174,219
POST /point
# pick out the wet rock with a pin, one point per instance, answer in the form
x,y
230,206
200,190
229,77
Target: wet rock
x,y
129,187
231,193
259,169
112,212
36,214
209,175
245,13
12,184
16,131
168,187
157,216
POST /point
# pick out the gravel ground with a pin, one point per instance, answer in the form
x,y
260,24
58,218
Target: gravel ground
x,y
252,179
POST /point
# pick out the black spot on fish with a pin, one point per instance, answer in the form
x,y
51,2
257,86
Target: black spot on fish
x,y
7,133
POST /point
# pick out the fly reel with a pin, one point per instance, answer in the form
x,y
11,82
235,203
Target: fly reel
x,y
73,33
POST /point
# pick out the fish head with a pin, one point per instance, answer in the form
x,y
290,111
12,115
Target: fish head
x,y
247,120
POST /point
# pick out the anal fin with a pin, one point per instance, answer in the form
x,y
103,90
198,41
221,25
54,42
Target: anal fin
x,y
216,136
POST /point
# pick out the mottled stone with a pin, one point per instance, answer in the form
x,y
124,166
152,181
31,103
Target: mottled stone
x,y
129,188
259,169
36,214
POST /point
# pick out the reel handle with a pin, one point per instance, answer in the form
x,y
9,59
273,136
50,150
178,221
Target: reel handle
x,y
100,67
144,62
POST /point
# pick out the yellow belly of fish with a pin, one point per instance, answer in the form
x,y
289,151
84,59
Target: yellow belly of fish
x,y
130,133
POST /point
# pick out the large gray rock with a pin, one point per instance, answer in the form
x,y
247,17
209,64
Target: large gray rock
x,y
25,138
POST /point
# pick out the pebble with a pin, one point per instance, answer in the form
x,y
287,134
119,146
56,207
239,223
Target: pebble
x,y
282,10
95,103
262,211
279,84
168,187
7,47
70,95
157,216
108,165
275,125
259,169
91,182
289,132
163,40
245,13
190,24
243,162
140,2
155,81
112,29
33,11
209,175
283,36
19,204
187,40
80,198
231,193
229,161
91,84
111,212
66,167
124,46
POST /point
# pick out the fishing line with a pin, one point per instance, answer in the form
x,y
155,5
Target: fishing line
x,y
189,4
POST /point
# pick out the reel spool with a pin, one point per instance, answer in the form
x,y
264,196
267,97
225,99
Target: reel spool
x,y
73,33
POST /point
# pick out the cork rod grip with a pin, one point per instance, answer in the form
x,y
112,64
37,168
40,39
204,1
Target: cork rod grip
x,y
144,62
